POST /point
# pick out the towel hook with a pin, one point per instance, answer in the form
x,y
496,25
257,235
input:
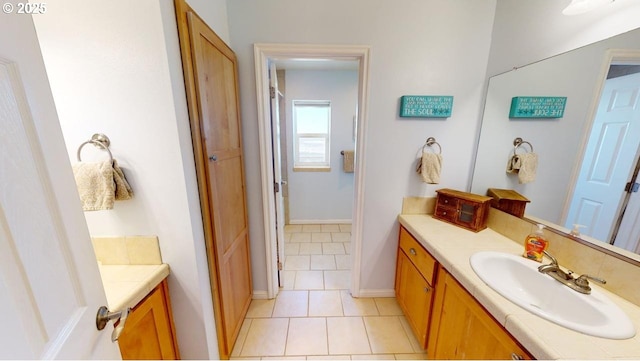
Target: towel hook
x,y
98,140
518,142
430,142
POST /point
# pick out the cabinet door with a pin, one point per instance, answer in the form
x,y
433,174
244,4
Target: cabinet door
x,y
463,330
148,332
414,295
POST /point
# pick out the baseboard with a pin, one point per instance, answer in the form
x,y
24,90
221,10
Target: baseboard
x,y
260,295
320,221
377,293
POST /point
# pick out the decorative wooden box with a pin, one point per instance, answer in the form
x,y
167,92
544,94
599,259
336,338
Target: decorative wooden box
x,y
508,200
463,209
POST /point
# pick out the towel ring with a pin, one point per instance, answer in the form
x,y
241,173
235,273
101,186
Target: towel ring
x,y
518,142
430,142
98,140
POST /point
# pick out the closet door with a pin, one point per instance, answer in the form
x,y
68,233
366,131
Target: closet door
x,y
216,134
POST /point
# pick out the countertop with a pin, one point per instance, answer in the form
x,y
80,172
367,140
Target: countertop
x,y
452,246
126,285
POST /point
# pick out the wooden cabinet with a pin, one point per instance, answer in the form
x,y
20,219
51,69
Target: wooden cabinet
x,y
463,209
462,329
149,333
415,273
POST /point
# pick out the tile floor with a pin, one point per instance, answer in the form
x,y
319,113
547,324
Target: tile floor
x,y
314,317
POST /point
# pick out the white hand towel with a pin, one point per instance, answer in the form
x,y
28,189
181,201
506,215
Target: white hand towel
x,y
430,167
528,167
95,185
525,165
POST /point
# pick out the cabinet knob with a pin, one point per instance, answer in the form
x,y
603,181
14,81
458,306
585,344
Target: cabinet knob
x,y
213,158
412,251
427,289
515,356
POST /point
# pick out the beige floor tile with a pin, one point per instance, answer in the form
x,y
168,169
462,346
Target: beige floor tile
x,y
242,336
320,237
341,237
275,358
358,306
337,280
332,248
296,263
374,357
343,261
386,335
309,280
412,338
291,228
323,262
307,336
287,237
345,228
330,228
325,303
388,306
292,249
260,308
329,357
291,304
266,337
289,279
347,336
310,248
300,237
311,228
347,247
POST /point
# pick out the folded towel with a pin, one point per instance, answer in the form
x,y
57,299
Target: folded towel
x,y
429,167
525,165
95,185
100,184
123,190
347,161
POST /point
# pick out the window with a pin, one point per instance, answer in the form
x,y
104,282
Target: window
x,y
311,134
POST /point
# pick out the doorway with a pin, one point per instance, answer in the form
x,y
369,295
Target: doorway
x,y
265,56
604,200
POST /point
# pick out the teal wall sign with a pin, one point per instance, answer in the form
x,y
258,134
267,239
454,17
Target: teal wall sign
x,y
537,107
426,106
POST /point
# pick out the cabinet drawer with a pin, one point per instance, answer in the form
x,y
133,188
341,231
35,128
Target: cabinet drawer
x,y
423,261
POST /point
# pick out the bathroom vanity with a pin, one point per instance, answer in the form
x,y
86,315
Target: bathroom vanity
x,y
455,315
134,277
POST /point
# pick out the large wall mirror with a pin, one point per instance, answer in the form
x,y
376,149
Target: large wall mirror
x,y
585,158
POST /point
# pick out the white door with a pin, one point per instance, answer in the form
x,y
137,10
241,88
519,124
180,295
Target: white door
x,y
277,170
50,287
609,158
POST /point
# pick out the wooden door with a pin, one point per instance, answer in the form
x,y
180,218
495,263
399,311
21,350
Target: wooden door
x,y
462,330
414,295
50,287
210,70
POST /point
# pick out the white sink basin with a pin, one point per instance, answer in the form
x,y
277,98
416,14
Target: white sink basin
x,y
518,280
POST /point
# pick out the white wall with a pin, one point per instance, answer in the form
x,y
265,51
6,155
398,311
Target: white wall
x,y
319,196
528,31
425,47
119,72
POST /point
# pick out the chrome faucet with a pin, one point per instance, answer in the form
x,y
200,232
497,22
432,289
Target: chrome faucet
x,y
580,284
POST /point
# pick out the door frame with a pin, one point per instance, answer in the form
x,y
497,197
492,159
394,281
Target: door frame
x,y
263,52
611,56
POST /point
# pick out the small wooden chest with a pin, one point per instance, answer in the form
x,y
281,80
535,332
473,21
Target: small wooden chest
x,y
508,200
463,209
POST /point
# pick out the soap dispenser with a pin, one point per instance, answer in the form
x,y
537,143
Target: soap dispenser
x,y
576,230
535,244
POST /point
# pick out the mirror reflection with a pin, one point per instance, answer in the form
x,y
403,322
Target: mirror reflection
x,y
587,159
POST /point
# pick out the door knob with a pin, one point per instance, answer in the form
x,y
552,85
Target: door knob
x,y
104,316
